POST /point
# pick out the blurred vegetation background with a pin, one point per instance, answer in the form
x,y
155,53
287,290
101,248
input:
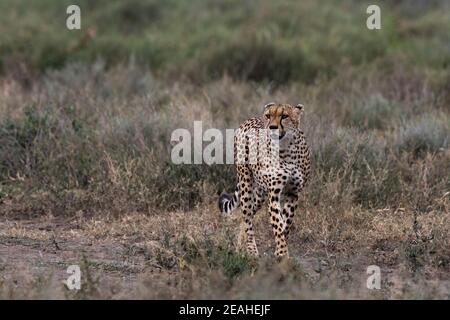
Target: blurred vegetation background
x,y
277,41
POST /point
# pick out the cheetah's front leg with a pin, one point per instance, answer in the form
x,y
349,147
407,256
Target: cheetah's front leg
x,y
278,224
289,206
248,208
292,191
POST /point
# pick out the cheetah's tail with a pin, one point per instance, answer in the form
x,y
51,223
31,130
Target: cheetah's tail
x,y
227,203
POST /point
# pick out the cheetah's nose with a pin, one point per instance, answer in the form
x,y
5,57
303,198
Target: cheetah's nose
x,y
273,127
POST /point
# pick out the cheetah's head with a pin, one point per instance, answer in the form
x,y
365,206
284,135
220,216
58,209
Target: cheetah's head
x,y
282,117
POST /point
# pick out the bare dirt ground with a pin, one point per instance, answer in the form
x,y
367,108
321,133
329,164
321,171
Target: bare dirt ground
x,y
39,249
141,256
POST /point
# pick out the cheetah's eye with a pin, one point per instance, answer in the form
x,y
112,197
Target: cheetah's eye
x,y
267,116
284,116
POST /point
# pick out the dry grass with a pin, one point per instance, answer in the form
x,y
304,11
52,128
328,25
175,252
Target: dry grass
x,y
195,255
86,119
85,163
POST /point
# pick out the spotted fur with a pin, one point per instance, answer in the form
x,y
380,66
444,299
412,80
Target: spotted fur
x,y
279,173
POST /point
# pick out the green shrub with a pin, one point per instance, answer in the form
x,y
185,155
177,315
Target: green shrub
x,y
278,42
255,60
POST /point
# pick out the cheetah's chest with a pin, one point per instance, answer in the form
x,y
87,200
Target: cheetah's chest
x,y
283,170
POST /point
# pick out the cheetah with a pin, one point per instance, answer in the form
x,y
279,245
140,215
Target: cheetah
x,y
279,171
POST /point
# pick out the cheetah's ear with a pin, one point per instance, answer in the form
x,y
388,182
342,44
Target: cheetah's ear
x,y
300,107
269,105
299,111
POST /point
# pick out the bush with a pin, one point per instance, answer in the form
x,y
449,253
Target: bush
x,y
428,134
375,112
99,140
